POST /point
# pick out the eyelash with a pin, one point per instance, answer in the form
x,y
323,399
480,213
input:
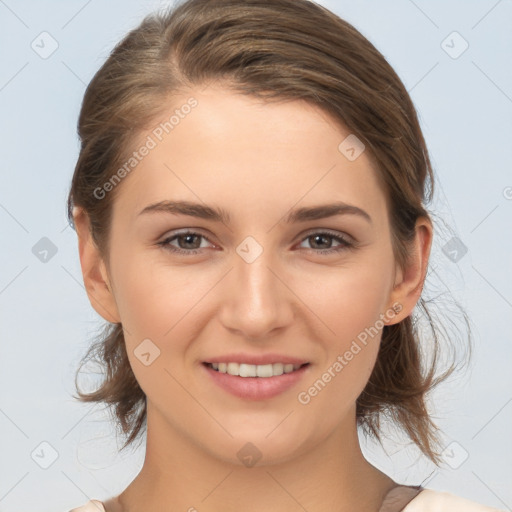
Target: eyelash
x,y
346,243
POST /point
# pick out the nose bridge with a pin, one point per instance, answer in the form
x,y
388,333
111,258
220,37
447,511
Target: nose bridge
x,y
252,272
257,298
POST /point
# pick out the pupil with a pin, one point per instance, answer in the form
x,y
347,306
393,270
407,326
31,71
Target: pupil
x,y
315,237
188,237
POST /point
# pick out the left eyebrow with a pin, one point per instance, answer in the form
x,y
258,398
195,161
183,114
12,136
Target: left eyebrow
x,y
327,210
213,213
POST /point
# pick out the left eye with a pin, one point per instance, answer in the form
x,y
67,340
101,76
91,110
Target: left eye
x,y
344,243
187,242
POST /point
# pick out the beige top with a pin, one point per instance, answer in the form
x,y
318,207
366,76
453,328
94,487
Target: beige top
x,y
403,498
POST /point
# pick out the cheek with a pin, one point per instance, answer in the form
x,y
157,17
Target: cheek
x,y
350,308
351,301
152,296
166,305
154,303
144,304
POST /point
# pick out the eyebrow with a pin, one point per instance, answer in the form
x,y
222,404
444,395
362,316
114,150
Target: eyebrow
x,y
213,213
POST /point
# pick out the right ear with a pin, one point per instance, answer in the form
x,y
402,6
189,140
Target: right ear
x,y
94,272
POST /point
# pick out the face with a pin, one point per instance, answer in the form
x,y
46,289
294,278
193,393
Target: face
x,y
252,270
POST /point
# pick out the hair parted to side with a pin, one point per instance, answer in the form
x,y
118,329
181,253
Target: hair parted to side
x,y
276,50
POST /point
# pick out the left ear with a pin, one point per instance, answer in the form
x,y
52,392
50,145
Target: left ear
x,y
409,281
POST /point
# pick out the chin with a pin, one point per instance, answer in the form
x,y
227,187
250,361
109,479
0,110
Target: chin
x,y
252,448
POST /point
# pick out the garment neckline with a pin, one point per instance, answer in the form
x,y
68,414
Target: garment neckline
x,y
395,500
399,496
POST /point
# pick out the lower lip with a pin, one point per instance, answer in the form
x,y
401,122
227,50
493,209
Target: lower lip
x,y
256,388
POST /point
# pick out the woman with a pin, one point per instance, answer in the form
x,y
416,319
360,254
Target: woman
x,y
249,205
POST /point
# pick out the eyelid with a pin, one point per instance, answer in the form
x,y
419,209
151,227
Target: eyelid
x,y
331,232
348,243
185,231
300,237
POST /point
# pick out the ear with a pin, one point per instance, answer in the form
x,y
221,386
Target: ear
x,y
409,281
94,271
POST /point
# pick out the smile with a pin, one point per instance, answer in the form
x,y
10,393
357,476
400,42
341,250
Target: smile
x,y
255,382
254,370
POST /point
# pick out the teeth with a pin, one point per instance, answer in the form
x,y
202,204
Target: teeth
x,y
254,370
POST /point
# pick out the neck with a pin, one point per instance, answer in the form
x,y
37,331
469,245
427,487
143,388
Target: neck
x,y
179,475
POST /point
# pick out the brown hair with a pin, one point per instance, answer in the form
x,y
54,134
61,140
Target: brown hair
x,y
276,50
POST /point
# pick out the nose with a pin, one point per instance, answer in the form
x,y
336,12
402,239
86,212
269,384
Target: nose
x,y
257,301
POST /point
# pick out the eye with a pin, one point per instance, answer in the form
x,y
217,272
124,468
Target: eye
x,y
189,242
318,238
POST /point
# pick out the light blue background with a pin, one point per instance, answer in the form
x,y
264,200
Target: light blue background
x,y
465,107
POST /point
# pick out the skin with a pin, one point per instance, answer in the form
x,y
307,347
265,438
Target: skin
x,y
256,161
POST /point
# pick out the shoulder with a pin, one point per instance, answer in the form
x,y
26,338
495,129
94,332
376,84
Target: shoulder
x,y
90,506
429,500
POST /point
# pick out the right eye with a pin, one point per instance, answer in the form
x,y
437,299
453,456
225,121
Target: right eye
x,y
189,237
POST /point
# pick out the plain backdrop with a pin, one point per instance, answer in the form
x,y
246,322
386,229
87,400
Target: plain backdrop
x,y
455,60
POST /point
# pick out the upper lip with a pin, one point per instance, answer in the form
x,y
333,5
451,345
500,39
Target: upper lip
x,y
256,359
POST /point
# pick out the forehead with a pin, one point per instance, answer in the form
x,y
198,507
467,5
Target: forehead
x,y
248,156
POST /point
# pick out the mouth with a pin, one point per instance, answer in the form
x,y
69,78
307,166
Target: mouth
x,y
255,382
255,370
